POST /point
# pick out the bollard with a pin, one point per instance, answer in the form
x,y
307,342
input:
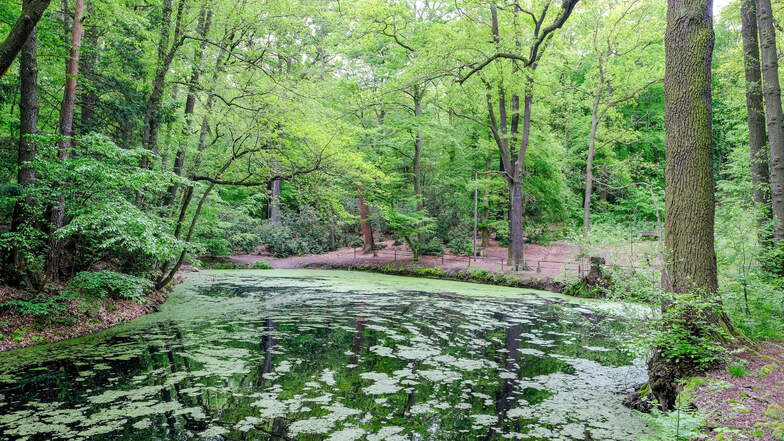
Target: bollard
x,y
442,260
538,267
395,254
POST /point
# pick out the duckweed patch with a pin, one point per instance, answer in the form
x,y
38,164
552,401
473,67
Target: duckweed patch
x,y
309,357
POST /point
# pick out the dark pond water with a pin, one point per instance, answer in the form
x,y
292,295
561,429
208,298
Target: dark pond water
x,y
308,355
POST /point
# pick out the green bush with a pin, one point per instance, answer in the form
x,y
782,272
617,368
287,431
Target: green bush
x,y
688,334
43,308
101,284
245,242
261,265
217,247
773,261
461,246
432,247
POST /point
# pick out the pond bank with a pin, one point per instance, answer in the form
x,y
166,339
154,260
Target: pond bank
x,y
482,276
20,330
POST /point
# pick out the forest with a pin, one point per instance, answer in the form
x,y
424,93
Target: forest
x,y
627,155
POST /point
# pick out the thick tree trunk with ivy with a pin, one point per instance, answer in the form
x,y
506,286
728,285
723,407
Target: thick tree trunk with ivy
x,y
690,260
755,112
57,215
771,90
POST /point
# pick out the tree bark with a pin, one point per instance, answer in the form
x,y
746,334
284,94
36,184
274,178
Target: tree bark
x,y
690,257
32,11
589,164
57,217
28,122
364,223
771,90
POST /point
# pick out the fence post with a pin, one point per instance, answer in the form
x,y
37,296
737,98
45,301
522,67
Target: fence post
x,y
395,254
442,259
355,254
538,267
579,269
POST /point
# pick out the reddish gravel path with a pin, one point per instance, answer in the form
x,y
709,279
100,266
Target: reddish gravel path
x,y
554,260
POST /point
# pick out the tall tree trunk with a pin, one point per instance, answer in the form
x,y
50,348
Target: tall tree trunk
x,y
274,204
28,123
205,20
690,199
32,11
65,143
166,52
589,164
690,261
417,163
517,203
755,114
88,99
485,216
364,223
771,90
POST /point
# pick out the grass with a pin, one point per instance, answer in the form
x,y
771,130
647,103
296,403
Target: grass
x,y
737,370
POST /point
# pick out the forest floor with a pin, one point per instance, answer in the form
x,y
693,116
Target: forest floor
x,y
749,406
22,330
558,260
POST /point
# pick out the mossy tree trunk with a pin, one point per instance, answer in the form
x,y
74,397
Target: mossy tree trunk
x,y
690,263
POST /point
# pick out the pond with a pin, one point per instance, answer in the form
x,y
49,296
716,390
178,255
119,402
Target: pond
x,y
337,356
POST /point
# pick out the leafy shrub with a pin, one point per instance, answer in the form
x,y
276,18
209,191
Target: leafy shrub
x,y
461,246
397,243
245,242
217,247
100,284
773,261
689,335
432,247
262,265
43,308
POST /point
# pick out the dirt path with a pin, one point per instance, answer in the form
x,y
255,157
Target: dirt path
x,y
544,261
749,406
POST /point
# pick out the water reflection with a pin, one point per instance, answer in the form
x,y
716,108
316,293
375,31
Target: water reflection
x,y
241,357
